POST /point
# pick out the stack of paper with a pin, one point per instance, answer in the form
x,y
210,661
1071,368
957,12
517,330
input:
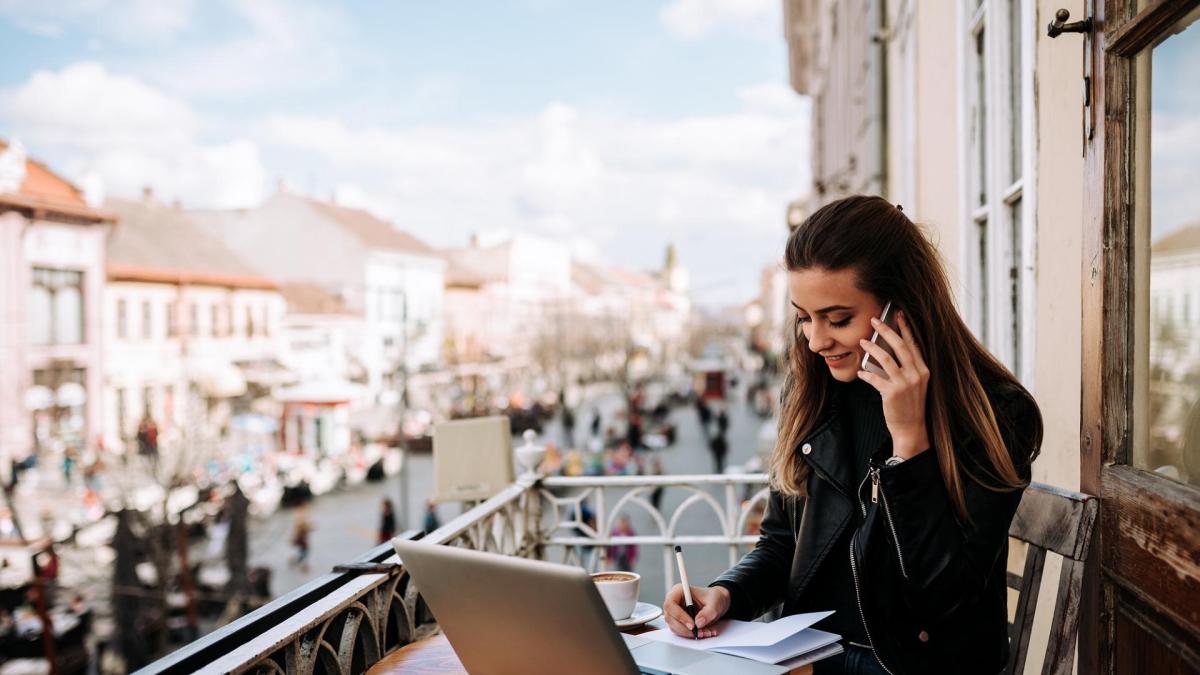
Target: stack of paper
x,y
775,642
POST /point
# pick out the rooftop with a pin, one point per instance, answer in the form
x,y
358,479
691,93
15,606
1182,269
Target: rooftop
x,y
158,243
41,191
1185,239
369,229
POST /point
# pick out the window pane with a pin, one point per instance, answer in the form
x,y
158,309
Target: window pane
x,y
980,121
1014,284
1014,88
981,278
68,315
1172,444
41,320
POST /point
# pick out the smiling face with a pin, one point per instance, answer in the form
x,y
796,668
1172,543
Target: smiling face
x,y
834,314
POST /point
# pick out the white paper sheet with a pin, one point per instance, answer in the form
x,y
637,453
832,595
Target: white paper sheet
x,y
801,643
743,633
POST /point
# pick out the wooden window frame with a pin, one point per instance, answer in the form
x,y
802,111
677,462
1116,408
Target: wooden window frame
x,y
1150,579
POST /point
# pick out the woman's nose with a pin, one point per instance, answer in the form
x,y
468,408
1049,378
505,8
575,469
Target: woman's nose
x,y
818,341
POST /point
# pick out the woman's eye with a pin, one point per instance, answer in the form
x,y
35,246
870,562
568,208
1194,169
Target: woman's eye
x,y
842,323
802,319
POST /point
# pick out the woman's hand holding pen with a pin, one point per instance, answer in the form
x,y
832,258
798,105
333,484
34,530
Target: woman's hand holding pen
x,y
711,604
903,390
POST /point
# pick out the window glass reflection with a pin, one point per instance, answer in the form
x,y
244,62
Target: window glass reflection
x,y
1173,399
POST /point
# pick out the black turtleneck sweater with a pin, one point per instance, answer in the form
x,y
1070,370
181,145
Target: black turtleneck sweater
x,y
860,414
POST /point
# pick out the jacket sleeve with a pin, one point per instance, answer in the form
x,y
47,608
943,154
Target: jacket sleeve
x,y
947,562
759,580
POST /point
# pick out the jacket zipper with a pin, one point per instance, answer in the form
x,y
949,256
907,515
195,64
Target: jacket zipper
x,y
861,613
876,494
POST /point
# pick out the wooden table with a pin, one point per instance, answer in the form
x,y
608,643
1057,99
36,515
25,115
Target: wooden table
x,y
434,656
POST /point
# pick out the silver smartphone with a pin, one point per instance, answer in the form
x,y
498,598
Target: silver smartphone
x,y
869,363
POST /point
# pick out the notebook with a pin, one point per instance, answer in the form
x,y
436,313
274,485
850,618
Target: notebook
x,y
780,640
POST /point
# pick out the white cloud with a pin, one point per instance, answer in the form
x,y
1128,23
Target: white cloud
x,y
87,106
126,21
694,19
277,46
616,184
130,135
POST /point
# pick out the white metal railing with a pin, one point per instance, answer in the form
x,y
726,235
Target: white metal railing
x,y
733,503
348,620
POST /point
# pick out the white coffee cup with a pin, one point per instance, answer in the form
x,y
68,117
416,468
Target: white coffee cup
x,y
619,590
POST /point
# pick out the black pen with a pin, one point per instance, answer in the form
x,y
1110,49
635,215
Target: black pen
x,y
687,591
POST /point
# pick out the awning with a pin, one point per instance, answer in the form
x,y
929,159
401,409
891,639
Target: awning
x,y
320,391
218,379
266,372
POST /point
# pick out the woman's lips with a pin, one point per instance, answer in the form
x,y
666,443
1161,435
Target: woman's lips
x,y
838,360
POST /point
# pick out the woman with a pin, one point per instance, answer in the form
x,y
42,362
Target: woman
x,y
891,495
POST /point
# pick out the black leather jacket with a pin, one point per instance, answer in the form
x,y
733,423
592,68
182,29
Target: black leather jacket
x,y
931,590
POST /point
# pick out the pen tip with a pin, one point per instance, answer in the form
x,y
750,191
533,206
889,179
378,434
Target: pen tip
x,y
678,549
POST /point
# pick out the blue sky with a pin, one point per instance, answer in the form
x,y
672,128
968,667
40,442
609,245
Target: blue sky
x,y
614,126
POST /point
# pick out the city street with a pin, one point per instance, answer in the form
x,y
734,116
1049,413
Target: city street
x,y
346,522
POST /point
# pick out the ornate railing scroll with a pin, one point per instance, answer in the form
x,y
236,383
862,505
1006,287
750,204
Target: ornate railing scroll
x,y
731,503
346,621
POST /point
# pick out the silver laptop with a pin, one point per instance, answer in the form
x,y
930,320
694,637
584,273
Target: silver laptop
x,y
510,615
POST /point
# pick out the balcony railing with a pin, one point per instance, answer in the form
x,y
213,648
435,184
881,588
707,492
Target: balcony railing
x,y
345,621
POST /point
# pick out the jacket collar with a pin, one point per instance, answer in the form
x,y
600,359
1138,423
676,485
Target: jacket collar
x,y
822,450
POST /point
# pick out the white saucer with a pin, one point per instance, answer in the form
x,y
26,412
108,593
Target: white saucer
x,y
642,613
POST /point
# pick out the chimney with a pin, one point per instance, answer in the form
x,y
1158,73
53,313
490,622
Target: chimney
x,y
148,194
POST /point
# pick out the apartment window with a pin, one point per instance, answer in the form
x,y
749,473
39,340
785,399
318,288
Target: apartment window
x,y
214,316
147,320
56,307
998,271
266,321
122,319
249,322
194,320
172,319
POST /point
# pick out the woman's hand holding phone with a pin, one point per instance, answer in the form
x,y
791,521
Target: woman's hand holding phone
x,y
903,389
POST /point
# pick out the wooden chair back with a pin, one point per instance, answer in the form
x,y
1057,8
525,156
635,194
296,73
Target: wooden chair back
x,y
1050,519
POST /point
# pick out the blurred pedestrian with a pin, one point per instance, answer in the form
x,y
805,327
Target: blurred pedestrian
x,y
387,521
719,448
70,457
597,421
568,425
624,556
633,432
431,517
147,435
656,469
704,412
300,534
722,422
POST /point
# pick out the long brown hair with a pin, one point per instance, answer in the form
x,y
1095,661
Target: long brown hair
x,y
893,260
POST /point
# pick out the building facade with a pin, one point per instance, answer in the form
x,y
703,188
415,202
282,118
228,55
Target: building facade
x,y
1050,169
52,251
394,280
192,333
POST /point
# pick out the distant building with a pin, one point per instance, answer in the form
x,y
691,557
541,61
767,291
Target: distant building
x,y
623,310
516,281
771,311
192,332
393,279
52,250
